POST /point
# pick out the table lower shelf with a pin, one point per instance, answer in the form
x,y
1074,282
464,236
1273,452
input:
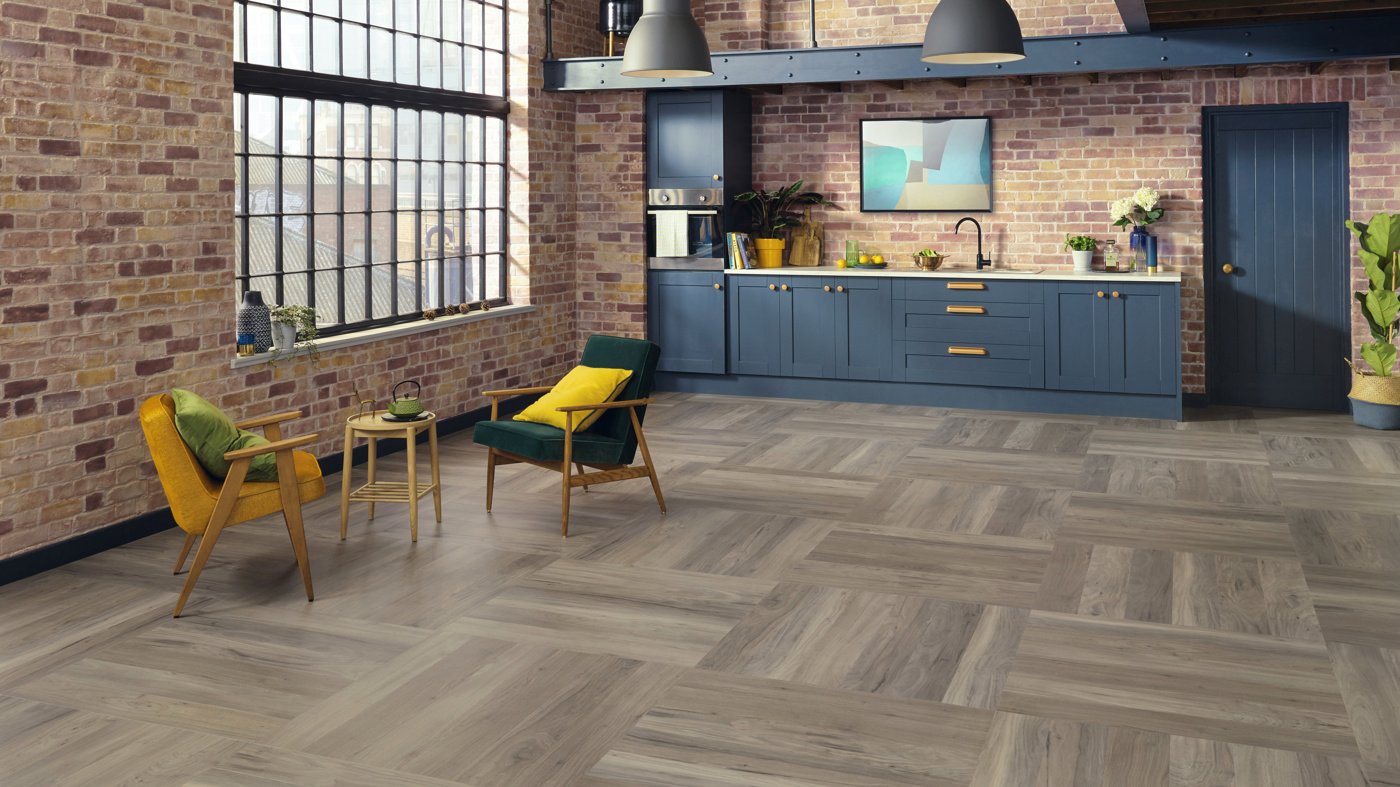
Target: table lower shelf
x,y
390,492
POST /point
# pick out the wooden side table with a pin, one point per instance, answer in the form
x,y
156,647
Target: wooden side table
x,y
374,428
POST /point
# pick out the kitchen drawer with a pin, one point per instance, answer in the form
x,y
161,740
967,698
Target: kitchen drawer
x,y
988,322
1003,365
992,289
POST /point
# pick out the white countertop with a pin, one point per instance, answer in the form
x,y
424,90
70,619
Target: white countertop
x,y
908,271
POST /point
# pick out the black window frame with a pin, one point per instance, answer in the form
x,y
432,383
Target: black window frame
x,y
283,83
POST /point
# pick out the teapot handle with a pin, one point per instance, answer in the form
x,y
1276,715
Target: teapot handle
x,y
417,389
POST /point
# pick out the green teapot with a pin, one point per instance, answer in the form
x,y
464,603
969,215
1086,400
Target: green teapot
x,y
406,406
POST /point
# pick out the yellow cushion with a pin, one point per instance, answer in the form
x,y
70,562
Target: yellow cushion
x,y
583,385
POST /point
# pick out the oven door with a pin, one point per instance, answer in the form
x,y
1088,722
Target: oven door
x,y
688,237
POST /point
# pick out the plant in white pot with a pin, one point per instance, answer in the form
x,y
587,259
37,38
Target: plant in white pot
x,y
1081,248
1375,395
291,324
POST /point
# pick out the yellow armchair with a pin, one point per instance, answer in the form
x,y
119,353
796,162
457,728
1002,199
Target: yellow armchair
x,y
203,506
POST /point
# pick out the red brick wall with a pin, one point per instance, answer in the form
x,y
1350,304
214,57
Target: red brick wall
x,y
866,22
116,270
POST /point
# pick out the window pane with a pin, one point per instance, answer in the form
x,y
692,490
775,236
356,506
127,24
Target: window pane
x,y
471,23
452,186
238,125
353,10
381,186
407,185
326,7
495,84
405,15
296,47
356,176
451,66
495,139
324,190
354,233
405,59
327,247
295,195
429,63
262,245
493,230
381,54
472,141
326,45
494,27
452,137
495,284
327,133
296,126
471,70
472,173
383,288
452,20
382,133
495,175
381,231
300,5
267,285
432,186
294,243
472,235
240,226
407,129
381,13
432,135
262,36
407,239
429,17
262,185
356,130
437,239
239,22
354,40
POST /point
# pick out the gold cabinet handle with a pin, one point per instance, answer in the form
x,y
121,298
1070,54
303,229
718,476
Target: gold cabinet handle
x,y
1099,294
716,177
839,288
966,285
1116,295
967,350
719,286
826,288
1227,268
786,288
774,287
967,309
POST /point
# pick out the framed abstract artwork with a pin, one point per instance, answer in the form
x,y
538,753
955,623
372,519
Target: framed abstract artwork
x,y
926,164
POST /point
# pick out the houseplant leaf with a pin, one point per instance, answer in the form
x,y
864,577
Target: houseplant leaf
x,y
1381,357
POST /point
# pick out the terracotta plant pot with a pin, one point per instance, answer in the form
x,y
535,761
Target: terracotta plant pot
x,y
1375,401
770,252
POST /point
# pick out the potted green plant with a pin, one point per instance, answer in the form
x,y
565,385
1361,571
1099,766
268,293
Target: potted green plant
x,y
291,324
772,213
1375,395
1081,248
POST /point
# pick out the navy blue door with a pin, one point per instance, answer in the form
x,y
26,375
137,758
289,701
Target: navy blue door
x,y
755,325
1143,336
685,316
808,334
1076,336
862,317
1277,306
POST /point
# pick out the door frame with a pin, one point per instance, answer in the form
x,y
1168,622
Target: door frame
x,y
1343,139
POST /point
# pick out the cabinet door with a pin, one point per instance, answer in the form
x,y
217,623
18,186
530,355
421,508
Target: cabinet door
x,y
685,131
755,325
864,348
1144,338
808,335
1076,336
685,316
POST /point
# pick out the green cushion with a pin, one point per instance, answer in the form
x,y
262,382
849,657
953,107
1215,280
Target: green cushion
x,y
639,356
210,434
546,443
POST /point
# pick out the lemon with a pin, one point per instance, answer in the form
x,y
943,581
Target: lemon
x,y
864,259
878,259
841,263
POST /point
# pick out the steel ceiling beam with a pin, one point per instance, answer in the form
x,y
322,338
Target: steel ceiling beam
x,y
1134,14
1352,38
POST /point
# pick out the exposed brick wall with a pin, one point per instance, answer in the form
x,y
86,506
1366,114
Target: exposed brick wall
x,y
116,269
866,22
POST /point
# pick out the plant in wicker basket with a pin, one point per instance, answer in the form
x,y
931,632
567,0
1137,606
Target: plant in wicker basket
x,y
1379,249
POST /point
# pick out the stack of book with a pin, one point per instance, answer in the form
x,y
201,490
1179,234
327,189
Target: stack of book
x,y
741,250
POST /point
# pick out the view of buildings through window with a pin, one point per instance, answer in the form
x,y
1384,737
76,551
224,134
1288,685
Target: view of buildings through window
x,y
370,156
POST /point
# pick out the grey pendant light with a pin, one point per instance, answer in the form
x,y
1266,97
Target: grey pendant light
x,y
971,32
666,43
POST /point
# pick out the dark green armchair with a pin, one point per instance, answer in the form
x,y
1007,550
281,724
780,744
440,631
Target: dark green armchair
x,y
608,446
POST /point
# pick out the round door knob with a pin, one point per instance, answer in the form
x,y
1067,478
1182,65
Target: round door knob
x,y
839,288
1115,294
1099,293
826,288
1227,268
716,177
786,288
719,286
772,286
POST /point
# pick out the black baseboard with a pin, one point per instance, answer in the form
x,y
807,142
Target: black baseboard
x,y
35,561
1194,400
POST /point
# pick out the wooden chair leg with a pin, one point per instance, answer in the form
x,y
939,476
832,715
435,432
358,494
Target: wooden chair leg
x,y
227,497
184,552
581,471
373,459
566,466
490,476
291,513
646,458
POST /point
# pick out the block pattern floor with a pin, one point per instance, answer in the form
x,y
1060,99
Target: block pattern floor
x,y
842,595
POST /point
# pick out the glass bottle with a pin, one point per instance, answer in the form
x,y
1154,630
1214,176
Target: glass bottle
x,y
1110,256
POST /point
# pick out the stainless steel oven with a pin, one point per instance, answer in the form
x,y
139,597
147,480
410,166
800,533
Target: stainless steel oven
x,y
685,228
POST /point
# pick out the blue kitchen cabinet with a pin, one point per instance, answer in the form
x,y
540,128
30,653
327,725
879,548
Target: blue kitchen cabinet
x,y
808,331
685,317
699,139
1112,337
861,317
755,325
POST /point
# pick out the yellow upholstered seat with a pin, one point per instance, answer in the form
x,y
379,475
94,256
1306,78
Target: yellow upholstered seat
x,y
202,505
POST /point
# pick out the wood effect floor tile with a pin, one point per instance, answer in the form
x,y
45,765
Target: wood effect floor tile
x,y
716,729
954,566
1028,750
672,617
900,646
1358,607
823,453
1241,688
1370,681
762,490
243,676
1222,592
867,422
255,765
487,712
994,466
1251,530
716,541
1335,454
1366,493
1017,434
961,507
1203,763
1307,422
1196,480
1192,445
1347,539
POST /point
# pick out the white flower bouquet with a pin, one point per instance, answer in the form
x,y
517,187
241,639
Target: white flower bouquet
x,y
1138,210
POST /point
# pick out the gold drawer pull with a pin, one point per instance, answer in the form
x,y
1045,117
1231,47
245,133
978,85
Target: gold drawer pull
x,y
966,285
967,309
967,350
774,288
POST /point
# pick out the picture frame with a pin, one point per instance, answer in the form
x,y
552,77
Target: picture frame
x,y
915,165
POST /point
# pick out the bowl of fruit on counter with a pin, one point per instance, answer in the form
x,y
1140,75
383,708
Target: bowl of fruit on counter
x,y
928,259
868,261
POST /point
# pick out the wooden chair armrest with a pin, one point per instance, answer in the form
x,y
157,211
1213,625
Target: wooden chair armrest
x,y
604,406
276,445
253,423
539,389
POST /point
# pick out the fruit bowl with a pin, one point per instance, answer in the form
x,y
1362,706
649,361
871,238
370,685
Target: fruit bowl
x,y
929,262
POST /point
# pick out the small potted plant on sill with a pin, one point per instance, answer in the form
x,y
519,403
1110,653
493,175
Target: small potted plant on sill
x,y
1081,248
290,324
773,212
1375,395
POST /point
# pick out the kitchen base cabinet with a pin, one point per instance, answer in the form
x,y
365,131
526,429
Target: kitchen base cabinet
x,y
861,308
755,325
685,316
809,326
1119,338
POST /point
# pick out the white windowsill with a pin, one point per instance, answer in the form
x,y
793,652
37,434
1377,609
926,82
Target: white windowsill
x,y
380,334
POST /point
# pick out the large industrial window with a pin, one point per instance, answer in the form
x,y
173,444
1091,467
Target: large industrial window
x,y
371,148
